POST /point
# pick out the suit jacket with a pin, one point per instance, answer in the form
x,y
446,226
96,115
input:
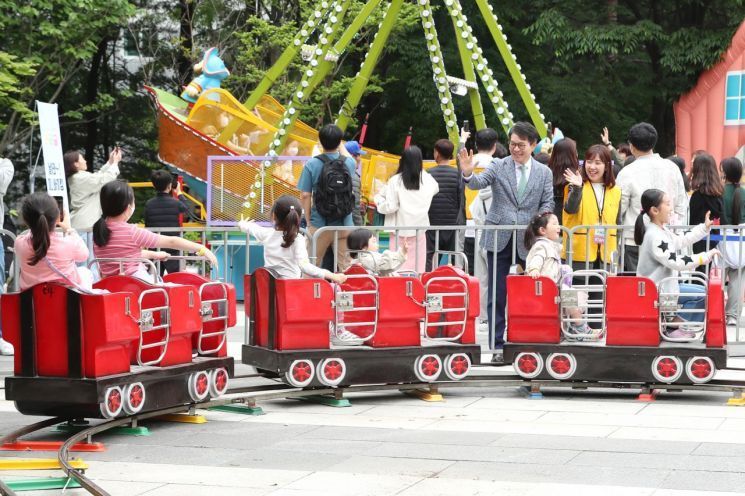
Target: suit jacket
x,y
538,197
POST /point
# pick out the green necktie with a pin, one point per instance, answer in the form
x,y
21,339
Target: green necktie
x,y
523,182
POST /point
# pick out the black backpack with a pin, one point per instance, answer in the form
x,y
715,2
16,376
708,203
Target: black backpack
x,y
333,196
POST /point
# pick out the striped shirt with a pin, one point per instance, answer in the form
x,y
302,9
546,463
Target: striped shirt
x,y
126,241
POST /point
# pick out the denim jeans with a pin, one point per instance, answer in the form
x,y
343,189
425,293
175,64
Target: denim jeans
x,y
695,301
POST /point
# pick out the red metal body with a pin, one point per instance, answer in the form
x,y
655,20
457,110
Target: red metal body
x,y
473,307
532,310
185,319
716,330
106,332
209,291
298,319
400,312
632,318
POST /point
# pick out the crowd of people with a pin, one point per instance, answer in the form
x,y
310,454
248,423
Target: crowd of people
x,y
629,186
591,197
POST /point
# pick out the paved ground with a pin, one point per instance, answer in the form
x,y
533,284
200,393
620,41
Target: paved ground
x,y
476,442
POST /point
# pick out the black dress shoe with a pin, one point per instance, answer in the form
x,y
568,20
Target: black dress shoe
x,y
497,357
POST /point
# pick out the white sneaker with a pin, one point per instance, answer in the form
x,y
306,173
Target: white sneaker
x,y
345,338
731,321
6,348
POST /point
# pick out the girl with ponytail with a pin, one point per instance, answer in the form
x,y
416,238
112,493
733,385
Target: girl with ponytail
x,y
733,214
114,237
663,253
284,246
46,255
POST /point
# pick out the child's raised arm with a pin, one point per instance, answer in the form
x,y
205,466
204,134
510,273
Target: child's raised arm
x,y
176,243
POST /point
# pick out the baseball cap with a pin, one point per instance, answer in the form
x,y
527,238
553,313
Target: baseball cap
x,y
354,148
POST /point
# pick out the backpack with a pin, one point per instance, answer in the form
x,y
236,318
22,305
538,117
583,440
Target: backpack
x,y
333,196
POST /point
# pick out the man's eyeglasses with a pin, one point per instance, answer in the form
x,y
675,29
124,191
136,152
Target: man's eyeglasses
x,y
519,146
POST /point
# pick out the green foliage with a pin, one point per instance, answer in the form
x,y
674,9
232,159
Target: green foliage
x,y
590,64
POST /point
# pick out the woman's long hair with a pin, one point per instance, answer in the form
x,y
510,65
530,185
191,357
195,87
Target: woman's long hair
x,y
705,177
40,213
287,211
732,168
532,232
563,157
410,167
116,196
70,159
650,198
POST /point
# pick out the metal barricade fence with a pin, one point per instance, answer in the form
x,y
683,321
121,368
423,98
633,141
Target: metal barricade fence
x,y
732,242
730,239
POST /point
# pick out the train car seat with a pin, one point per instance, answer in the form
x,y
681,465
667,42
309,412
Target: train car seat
x,y
631,314
451,304
532,310
716,330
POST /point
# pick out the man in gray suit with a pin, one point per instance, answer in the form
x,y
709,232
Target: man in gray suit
x,y
521,188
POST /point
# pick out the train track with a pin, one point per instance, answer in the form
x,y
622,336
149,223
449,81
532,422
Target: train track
x,y
278,390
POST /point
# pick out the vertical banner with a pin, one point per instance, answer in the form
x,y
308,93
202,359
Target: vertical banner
x,y
51,145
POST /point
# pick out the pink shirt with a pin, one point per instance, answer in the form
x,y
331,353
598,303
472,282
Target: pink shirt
x,y
126,241
63,253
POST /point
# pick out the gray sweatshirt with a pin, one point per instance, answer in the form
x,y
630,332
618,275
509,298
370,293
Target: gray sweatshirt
x,y
661,254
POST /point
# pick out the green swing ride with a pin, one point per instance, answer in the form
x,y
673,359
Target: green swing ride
x,y
218,124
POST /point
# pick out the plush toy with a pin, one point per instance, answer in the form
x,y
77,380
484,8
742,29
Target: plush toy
x,y
546,145
211,72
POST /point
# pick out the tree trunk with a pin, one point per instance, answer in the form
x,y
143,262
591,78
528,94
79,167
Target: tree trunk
x,y
612,11
91,94
184,58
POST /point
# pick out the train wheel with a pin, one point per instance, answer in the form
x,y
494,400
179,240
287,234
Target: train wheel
x,y
331,371
457,366
528,364
199,385
112,404
218,382
561,365
301,373
667,368
700,369
134,398
428,367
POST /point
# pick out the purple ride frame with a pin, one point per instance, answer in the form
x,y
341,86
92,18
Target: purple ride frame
x,y
243,158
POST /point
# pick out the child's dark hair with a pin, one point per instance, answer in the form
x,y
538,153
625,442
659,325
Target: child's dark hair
x,y
287,211
40,213
732,169
161,179
115,197
358,240
532,232
650,198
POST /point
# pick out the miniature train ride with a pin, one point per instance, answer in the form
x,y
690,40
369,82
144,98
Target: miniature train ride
x,y
140,347
422,329
134,348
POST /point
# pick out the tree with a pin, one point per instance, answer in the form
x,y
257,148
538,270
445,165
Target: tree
x,y
632,59
47,43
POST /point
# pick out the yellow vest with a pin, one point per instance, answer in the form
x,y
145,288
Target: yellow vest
x,y
588,215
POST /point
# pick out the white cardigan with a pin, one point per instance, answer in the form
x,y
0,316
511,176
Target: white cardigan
x,y
84,187
406,207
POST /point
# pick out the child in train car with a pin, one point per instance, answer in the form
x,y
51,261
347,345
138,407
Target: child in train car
x,y
45,254
114,237
363,247
286,252
284,247
543,240
661,256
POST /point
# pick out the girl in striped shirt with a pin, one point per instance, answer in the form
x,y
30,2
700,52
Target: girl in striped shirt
x,y
114,237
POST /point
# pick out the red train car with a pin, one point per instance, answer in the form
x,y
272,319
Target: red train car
x,y
410,329
128,350
632,338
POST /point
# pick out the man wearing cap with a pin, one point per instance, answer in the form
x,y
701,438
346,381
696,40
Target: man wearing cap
x,y
355,150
